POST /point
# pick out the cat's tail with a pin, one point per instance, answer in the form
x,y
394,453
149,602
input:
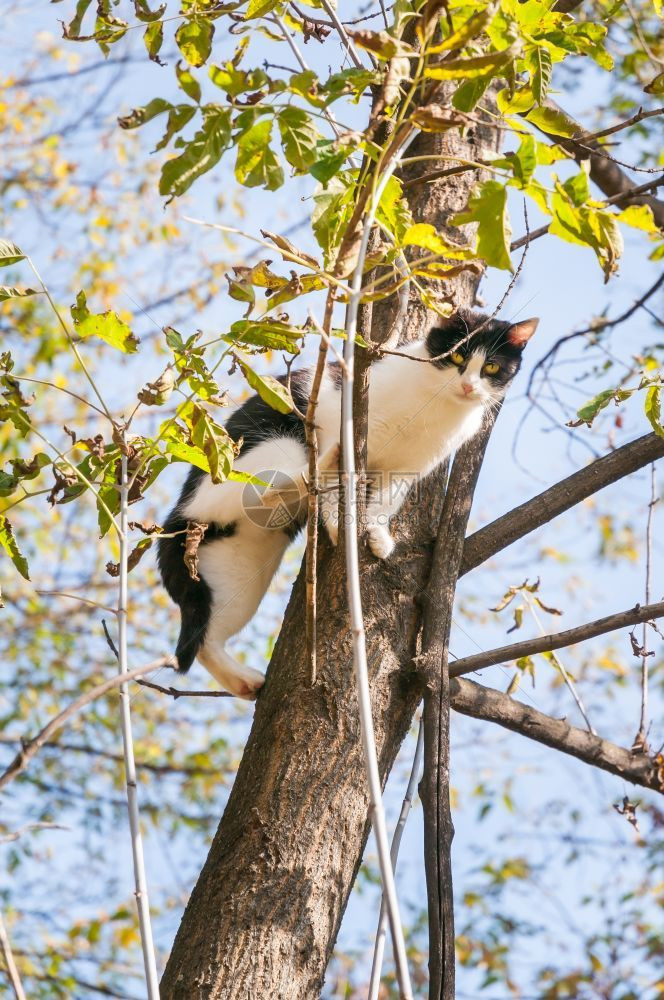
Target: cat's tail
x,y
195,615
193,597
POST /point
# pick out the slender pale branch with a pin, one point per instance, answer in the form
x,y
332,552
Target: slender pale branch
x,y
640,116
480,702
520,521
140,879
349,480
557,640
12,971
406,805
343,34
641,738
311,438
32,747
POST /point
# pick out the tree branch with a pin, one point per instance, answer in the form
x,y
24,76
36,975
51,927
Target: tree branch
x,y
434,788
520,521
489,705
546,643
32,747
606,174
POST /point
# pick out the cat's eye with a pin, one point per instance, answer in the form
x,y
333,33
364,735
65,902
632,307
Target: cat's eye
x,y
457,358
491,368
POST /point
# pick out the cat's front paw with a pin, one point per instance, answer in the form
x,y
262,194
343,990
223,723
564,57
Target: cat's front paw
x,y
381,542
332,528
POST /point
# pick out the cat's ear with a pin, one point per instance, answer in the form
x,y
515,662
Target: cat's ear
x,y
520,333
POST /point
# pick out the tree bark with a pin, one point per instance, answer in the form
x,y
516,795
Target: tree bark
x,y
263,917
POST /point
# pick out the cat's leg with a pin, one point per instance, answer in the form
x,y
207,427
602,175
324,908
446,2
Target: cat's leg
x,y
328,502
238,571
385,501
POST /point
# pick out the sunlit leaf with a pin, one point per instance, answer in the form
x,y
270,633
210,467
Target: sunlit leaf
x,y
553,121
200,155
653,408
194,40
10,545
107,326
9,253
298,137
272,392
256,164
488,208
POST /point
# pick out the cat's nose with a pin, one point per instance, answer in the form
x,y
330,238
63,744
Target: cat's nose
x,y
467,388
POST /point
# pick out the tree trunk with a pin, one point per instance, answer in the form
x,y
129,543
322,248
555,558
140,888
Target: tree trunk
x,y
264,915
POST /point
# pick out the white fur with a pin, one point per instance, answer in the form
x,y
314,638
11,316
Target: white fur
x,y
418,415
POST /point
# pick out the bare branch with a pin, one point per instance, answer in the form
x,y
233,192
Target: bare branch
x,y
634,120
484,703
12,971
607,174
640,741
31,747
557,640
541,509
624,198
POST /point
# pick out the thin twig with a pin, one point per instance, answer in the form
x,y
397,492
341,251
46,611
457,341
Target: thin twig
x,y
179,693
140,878
493,706
562,670
75,597
613,200
381,932
12,971
641,741
353,584
311,438
634,120
343,34
557,640
31,747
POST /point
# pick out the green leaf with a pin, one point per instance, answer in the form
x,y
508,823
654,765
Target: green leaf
x,y
653,407
459,69
380,43
424,235
268,388
194,40
541,68
298,138
656,85
178,117
200,155
469,93
259,8
518,102
522,163
553,121
188,82
8,292
488,208
153,39
270,334
329,159
139,116
9,254
473,27
9,544
143,12
256,164
639,217
594,406
237,81
107,326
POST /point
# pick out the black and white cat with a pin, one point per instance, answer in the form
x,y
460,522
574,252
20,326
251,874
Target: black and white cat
x,y
419,414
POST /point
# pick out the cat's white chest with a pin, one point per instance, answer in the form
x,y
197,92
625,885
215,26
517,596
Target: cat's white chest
x,y
414,424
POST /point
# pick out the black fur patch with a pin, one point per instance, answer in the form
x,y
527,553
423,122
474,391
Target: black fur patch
x,y
492,339
252,423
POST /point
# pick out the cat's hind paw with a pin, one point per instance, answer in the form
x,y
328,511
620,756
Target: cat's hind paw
x,y
381,542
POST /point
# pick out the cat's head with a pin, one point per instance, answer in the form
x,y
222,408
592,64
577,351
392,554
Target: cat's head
x,y
480,356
